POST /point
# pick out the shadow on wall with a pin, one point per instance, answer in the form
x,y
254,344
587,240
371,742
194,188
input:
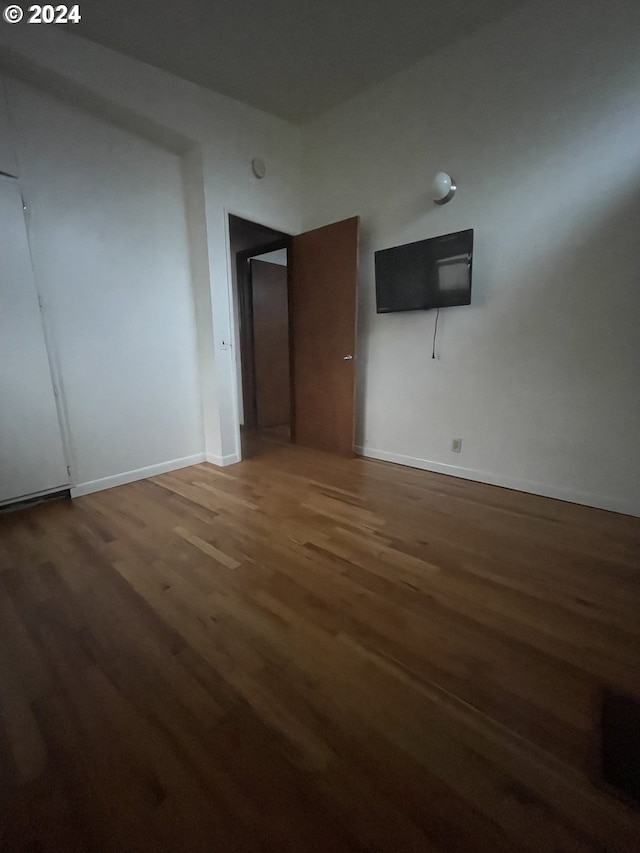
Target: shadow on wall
x,y
90,102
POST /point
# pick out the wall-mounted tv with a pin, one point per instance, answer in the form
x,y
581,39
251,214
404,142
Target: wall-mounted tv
x,y
434,273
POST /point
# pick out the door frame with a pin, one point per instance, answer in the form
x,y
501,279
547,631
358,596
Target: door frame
x,y
233,309
240,307
245,311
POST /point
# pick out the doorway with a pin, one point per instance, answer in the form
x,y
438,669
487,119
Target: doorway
x,y
314,323
259,265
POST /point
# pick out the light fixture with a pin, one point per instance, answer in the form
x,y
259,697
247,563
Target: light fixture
x,y
444,188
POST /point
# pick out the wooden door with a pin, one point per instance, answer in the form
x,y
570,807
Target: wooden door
x,y
323,271
270,343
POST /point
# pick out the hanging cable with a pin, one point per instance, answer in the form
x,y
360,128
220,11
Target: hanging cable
x,y
435,332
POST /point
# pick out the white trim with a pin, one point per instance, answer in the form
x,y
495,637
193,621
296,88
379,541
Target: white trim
x,y
137,474
221,461
530,486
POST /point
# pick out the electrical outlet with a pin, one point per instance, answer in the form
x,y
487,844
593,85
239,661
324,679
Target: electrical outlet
x,y
456,445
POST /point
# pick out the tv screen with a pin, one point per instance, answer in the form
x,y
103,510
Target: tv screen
x,y
434,273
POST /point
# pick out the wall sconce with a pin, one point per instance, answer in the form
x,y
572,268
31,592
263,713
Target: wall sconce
x,y
444,188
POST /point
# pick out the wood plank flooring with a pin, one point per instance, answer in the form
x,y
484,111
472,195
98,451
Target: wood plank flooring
x,y
306,653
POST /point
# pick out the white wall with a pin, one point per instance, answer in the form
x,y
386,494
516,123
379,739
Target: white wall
x,y
216,139
536,116
109,244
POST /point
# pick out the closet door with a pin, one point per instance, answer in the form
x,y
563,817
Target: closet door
x,y
7,149
32,458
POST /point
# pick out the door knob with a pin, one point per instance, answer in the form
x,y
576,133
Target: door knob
x,y
347,358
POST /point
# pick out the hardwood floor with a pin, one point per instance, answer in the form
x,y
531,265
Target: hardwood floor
x,y
306,653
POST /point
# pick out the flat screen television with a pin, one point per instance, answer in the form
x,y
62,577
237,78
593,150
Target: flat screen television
x,y
434,273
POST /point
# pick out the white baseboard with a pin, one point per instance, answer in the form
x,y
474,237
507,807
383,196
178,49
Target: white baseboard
x,y
137,474
221,461
530,486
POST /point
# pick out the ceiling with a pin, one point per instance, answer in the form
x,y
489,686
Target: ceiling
x,y
292,58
